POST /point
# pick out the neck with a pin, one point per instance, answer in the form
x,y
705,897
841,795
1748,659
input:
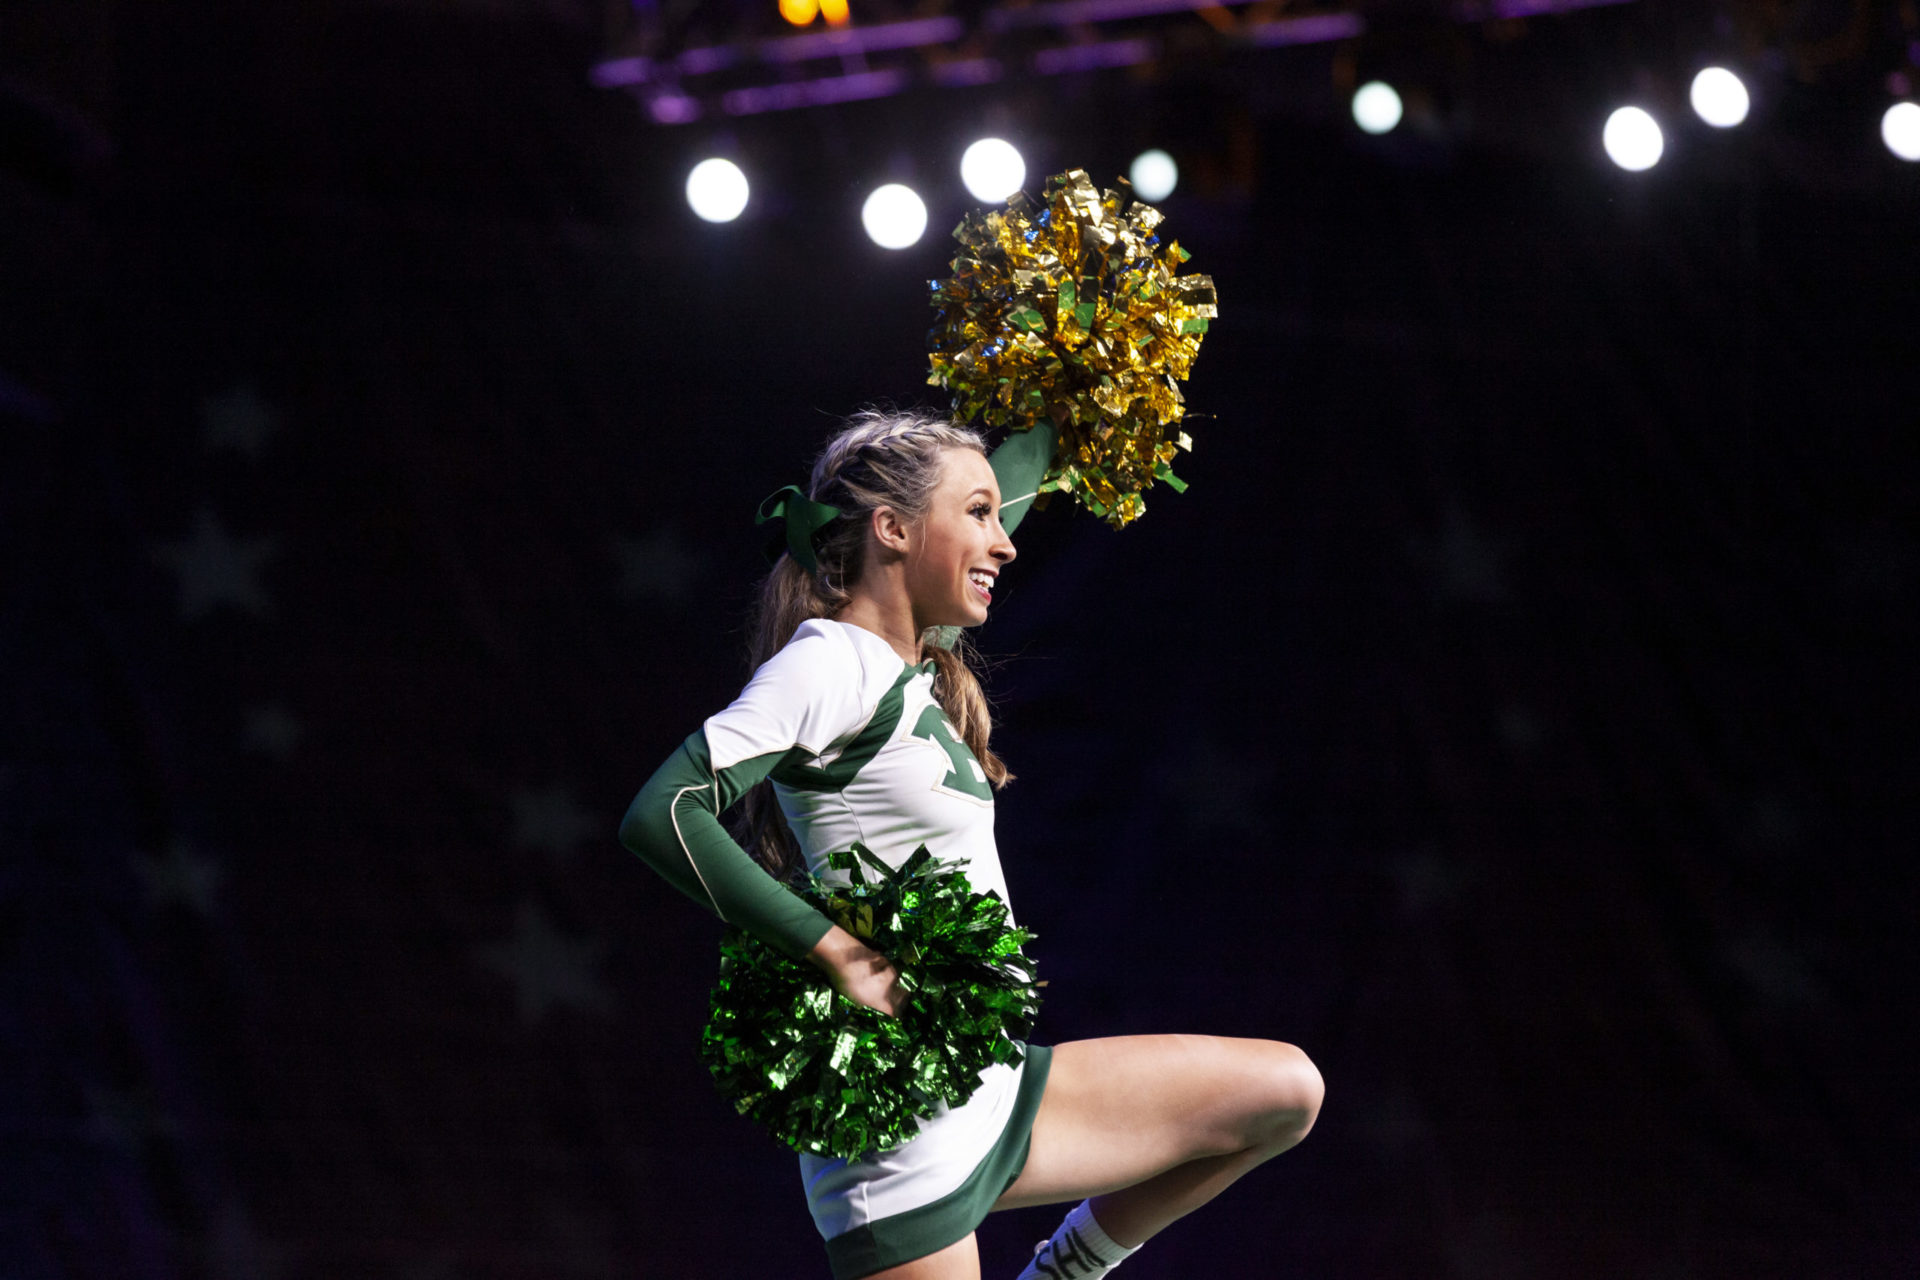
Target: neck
x,y
883,608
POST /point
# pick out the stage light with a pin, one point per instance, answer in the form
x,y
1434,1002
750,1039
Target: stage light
x,y
717,190
835,12
1633,139
1153,174
1376,107
894,216
992,169
799,12
1719,97
1900,130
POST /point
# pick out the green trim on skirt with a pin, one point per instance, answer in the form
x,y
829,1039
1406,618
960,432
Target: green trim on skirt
x,y
916,1233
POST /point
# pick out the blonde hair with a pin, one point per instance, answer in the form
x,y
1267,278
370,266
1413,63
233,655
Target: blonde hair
x,y
881,458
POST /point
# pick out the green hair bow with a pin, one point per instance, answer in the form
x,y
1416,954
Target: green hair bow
x,y
803,518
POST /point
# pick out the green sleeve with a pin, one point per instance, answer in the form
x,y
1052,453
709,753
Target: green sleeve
x,y
674,825
1019,465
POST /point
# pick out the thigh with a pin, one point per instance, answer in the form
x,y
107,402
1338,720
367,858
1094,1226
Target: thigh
x,y
958,1261
1120,1110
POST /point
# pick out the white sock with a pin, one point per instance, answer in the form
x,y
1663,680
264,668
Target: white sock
x,y
1079,1250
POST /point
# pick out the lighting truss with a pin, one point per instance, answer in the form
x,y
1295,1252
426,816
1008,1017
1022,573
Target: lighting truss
x,y
1056,37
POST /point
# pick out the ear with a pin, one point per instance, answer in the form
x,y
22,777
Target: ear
x,y
890,530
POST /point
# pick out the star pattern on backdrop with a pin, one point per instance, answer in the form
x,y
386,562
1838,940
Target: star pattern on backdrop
x,y
1492,1242
271,729
441,1264
1462,563
1776,973
583,1247
125,1119
1395,1123
657,566
236,1250
1873,566
1774,825
216,568
1223,790
237,419
1520,729
1425,884
547,968
179,877
548,819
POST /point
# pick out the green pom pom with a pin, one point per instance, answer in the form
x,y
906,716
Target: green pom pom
x,y
824,1074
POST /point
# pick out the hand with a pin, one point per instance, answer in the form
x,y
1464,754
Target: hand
x,y
858,972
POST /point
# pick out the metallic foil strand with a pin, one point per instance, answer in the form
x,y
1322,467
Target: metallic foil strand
x,y
1069,310
824,1074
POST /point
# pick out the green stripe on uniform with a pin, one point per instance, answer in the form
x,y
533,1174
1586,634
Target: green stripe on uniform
x,y
932,1227
865,746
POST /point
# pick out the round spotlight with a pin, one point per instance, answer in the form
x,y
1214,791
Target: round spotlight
x,y
717,190
1153,174
1719,97
1900,129
894,216
1376,107
992,169
1633,139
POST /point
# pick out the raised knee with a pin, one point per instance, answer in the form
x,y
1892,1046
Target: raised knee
x,y
1293,1090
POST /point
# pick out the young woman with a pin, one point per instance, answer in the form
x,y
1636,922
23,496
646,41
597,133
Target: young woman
x,y
857,729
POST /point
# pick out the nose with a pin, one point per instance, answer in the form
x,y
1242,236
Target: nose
x,y
1002,548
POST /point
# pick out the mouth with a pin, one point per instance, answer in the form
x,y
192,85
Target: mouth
x,y
982,582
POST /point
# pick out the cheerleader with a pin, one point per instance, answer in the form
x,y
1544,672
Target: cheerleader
x,y
857,727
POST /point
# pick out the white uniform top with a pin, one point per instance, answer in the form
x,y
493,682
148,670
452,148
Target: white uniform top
x,y
868,756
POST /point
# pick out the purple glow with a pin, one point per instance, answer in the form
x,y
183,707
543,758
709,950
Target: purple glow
x,y
968,71
1067,13
706,61
1313,30
672,108
1528,8
615,72
1092,57
886,35
813,93
926,32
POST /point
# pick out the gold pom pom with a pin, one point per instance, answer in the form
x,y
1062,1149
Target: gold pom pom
x,y
1069,312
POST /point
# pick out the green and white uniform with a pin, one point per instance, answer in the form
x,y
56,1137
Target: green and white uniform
x,y
858,750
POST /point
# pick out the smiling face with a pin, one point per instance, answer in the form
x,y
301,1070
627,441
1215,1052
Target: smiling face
x,y
959,547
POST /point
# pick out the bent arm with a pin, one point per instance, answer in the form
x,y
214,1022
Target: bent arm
x,y
674,826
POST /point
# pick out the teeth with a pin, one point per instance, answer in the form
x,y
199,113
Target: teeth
x,y
981,580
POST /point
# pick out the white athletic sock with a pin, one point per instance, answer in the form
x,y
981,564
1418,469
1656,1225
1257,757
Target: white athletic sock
x,y
1079,1250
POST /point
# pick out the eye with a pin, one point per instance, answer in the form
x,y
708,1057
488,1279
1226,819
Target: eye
x,y
980,510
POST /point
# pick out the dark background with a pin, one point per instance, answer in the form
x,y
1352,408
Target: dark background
x,y
1516,713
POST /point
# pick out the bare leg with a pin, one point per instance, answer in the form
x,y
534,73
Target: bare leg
x,y
1152,1127
1131,1215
